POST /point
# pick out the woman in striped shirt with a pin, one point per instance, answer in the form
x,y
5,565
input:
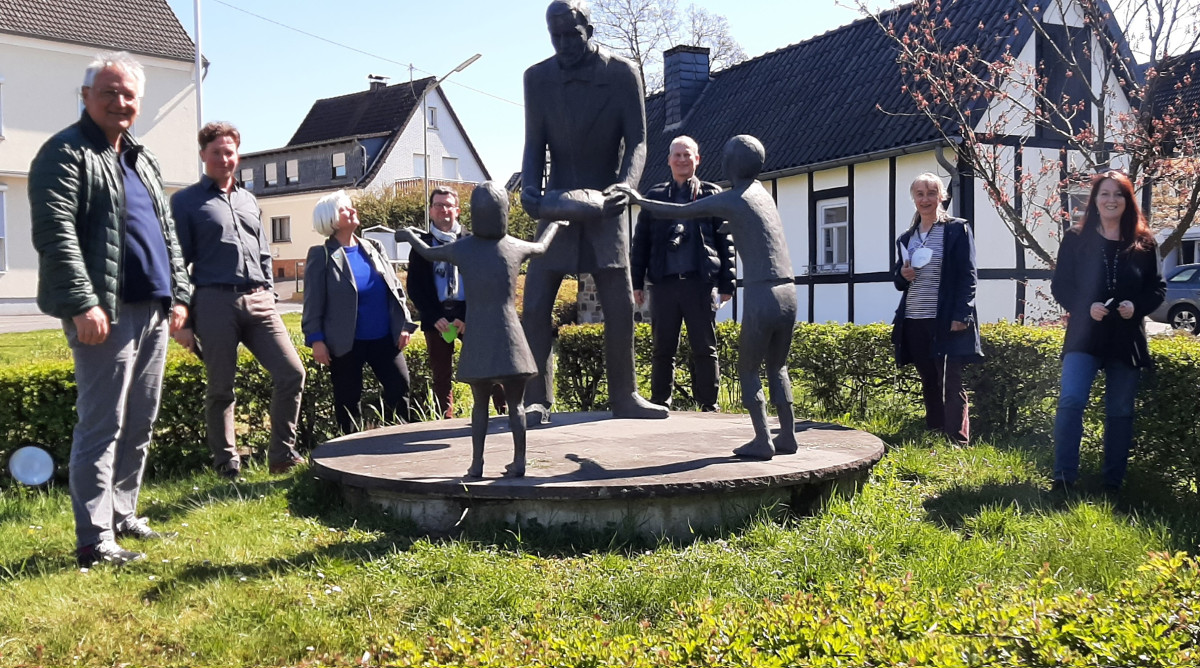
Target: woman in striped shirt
x,y
935,326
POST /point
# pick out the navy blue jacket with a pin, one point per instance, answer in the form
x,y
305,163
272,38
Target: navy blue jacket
x,y
956,298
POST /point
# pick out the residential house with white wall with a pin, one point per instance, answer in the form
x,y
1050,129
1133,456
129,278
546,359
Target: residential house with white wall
x,y
843,143
44,48
368,140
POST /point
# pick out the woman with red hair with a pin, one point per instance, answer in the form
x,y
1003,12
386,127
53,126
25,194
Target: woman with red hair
x,y
1108,279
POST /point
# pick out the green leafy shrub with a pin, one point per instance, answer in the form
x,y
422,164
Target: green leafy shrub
x,y
1014,389
844,367
872,622
1168,413
841,369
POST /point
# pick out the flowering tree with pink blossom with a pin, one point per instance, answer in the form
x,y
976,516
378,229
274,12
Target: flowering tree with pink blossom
x,y
1083,97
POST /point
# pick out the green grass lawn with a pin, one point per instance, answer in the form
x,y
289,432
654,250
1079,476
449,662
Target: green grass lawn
x,y
276,571
50,344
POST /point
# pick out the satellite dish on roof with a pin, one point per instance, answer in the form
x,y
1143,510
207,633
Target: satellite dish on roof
x,y
31,465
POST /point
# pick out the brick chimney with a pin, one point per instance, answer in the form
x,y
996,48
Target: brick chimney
x,y
377,82
685,74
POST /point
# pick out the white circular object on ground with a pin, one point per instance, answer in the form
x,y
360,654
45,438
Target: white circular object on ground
x,y
31,465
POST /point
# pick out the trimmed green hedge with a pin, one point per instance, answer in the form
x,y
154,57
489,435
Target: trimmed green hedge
x,y
1147,622
845,370
837,370
37,405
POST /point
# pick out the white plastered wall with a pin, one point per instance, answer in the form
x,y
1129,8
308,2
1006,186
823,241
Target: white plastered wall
x,y
446,141
41,81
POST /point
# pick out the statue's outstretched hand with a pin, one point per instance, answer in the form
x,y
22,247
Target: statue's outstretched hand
x,y
408,234
626,191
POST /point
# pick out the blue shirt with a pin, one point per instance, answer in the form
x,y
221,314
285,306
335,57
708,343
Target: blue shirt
x,y
373,320
146,265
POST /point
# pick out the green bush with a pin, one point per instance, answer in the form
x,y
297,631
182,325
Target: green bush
x,y
37,406
840,369
1014,389
873,622
1168,413
845,367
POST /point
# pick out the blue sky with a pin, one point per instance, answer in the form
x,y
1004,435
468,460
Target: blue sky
x,y
264,77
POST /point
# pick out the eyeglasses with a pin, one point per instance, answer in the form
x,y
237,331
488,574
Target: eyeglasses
x,y
443,205
113,95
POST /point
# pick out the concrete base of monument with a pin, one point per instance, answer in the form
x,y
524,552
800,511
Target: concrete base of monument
x,y
674,478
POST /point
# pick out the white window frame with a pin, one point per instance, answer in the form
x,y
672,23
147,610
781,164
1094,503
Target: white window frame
x,y
432,121
1,107
452,174
3,228
834,265
339,161
293,175
419,164
248,183
281,229
272,175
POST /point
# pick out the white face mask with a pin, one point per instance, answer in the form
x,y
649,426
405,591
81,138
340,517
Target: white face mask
x,y
921,257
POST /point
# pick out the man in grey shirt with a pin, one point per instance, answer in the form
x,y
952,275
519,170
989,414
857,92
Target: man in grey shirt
x,y
221,232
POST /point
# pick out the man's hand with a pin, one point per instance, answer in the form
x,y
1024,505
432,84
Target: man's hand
x,y
1098,311
402,342
179,314
639,297
958,326
908,272
460,326
628,191
442,325
1125,308
320,352
725,298
186,338
91,326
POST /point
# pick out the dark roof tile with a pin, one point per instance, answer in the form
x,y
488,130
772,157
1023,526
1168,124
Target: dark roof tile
x,y
146,27
385,109
835,96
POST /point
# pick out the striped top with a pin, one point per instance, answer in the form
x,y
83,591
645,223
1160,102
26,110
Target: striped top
x,y
923,292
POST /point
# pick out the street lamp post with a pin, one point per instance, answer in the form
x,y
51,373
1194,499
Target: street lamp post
x,y
425,127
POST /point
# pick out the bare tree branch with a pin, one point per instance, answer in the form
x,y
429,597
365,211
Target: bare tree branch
x,y
642,29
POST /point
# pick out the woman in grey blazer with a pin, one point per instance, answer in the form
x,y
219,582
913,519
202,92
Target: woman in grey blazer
x,y
355,313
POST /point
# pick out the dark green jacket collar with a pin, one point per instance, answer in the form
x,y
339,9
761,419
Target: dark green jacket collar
x,y
99,141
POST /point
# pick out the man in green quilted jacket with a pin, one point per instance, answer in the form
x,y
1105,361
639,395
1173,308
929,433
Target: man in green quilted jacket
x,y
109,265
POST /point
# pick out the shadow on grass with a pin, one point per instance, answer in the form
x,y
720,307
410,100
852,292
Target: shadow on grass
x,y
954,506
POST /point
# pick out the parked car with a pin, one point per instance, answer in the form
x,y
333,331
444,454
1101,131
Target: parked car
x,y
1181,308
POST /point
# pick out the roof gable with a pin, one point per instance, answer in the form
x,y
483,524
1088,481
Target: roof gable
x,y
147,27
383,110
835,96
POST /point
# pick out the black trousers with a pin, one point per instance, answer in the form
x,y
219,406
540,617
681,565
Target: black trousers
x,y
387,361
946,407
672,303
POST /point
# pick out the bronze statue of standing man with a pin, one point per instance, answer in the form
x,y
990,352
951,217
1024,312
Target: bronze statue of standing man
x,y
585,107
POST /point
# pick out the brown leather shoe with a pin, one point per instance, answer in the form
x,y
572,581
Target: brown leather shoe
x,y
286,465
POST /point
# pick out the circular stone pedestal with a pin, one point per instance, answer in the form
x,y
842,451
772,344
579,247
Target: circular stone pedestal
x,y
589,471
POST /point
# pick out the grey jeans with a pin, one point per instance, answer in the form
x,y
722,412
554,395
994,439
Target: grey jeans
x,y
120,384
222,321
